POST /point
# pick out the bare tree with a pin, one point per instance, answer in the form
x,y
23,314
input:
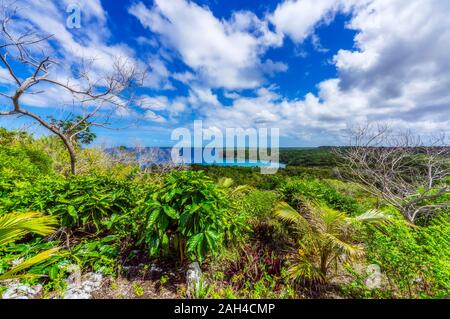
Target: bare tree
x,y
402,169
97,96
153,160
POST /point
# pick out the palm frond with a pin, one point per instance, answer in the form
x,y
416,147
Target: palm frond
x,y
305,269
329,220
373,216
347,249
241,189
286,213
13,273
14,226
225,182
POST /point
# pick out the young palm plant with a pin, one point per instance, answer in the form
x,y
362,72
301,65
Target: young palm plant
x,y
325,238
14,226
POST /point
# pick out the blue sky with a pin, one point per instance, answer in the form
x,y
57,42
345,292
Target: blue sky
x,y
313,68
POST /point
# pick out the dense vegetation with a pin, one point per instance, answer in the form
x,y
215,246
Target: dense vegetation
x,y
300,233
308,157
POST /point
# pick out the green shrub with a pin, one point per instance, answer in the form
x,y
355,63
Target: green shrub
x,y
51,269
92,199
258,203
77,201
353,190
190,214
296,189
23,162
98,254
257,208
415,260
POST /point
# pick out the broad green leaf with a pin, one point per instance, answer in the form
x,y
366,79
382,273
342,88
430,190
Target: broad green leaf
x,y
172,213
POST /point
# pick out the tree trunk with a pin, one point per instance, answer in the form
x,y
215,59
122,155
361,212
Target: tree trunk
x,y
50,127
324,263
72,155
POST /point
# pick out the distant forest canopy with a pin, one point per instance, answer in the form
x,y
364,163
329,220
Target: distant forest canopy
x,y
322,156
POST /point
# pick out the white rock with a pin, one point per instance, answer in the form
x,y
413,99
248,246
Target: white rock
x,y
154,268
17,261
88,288
83,290
17,290
193,276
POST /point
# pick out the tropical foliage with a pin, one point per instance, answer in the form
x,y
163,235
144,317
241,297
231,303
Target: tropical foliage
x,y
326,238
190,214
303,232
15,226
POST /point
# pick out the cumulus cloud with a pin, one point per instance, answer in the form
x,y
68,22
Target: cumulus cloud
x,y
398,73
89,45
152,116
223,53
161,109
89,41
298,18
184,77
159,75
5,77
400,66
269,67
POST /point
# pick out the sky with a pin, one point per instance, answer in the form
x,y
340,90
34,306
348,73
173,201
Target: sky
x,y
312,68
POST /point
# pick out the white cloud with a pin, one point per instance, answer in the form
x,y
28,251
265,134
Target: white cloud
x,y
48,96
222,53
201,96
160,108
152,116
399,73
49,17
231,95
297,18
400,68
269,67
5,76
90,43
158,77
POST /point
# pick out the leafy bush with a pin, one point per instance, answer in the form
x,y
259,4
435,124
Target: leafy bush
x,y
51,271
365,200
98,255
20,158
189,213
90,199
413,260
77,201
258,203
296,189
257,207
253,270
255,261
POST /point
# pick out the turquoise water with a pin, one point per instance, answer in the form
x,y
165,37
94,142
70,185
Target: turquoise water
x,y
161,155
246,163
